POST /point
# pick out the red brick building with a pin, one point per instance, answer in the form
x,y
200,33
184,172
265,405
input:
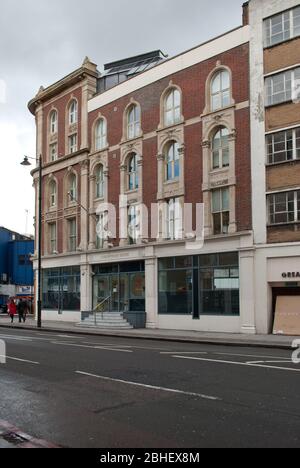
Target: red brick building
x,y
163,132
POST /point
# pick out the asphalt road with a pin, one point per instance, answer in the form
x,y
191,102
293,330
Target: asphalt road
x,y
103,392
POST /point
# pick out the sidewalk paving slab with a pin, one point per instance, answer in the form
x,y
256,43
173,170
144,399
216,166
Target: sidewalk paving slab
x,y
227,339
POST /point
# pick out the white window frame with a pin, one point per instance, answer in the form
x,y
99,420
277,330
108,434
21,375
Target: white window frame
x,y
173,110
296,210
171,162
222,211
270,140
73,113
221,148
290,94
53,238
53,194
72,236
132,174
53,152
268,26
134,126
174,221
72,188
53,122
222,92
100,135
73,143
101,218
100,182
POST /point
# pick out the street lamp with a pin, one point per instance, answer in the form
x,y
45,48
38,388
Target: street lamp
x,y
27,163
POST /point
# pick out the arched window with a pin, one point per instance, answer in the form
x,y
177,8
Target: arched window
x,y
73,112
172,107
133,177
99,182
53,193
133,122
172,161
72,187
53,122
100,135
220,148
220,90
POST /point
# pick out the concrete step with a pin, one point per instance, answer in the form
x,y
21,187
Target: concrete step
x,y
103,326
106,320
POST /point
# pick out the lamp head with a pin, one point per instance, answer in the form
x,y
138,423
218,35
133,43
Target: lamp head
x,y
25,162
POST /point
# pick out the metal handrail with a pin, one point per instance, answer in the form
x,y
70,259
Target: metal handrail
x,y
98,306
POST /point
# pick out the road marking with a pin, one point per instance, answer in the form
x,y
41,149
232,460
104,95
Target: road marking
x,y
271,362
92,347
11,337
20,360
245,364
250,355
184,352
150,387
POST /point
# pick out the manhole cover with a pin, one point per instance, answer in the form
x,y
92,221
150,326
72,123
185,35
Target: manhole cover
x,y
13,438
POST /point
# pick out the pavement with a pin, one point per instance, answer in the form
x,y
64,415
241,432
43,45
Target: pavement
x,y
264,341
83,391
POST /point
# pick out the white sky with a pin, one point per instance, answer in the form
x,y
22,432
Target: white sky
x,y
41,41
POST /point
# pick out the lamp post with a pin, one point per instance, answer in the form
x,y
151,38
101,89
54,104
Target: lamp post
x,y
27,163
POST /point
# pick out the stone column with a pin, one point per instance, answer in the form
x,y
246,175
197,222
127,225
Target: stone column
x,y
247,292
181,166
151,289
92,227
84,116
85,204
123,219
160,175
86,287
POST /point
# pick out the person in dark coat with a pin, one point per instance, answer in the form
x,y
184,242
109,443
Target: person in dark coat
x,y
22,309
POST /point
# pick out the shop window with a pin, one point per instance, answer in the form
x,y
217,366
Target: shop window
x,y
61,289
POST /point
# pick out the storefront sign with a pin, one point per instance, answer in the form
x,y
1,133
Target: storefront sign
x,y
291,275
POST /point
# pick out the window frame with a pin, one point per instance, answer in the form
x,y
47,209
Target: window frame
x,y
133,128
295,200
172,161
53,194
286,16
99,172
53,238
221,149
222,92
72,187
288,93
73,143
53,122
100,134
294,140
73,112
175,110
132,172
72,236
132,215
174,221
222,212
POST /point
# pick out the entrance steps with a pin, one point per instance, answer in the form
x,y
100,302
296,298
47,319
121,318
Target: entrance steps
x,y
106,321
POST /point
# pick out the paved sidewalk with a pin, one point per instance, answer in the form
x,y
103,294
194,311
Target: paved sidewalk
x,y
264,341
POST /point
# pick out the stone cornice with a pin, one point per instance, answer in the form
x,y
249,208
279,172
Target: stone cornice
x,y
87,69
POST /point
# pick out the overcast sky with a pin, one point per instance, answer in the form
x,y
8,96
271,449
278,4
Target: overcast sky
x,y
43,40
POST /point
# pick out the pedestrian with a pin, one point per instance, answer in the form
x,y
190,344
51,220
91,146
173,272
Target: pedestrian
x,y
12,309
22,311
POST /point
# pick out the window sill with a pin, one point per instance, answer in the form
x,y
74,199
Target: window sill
x,y
273,46
270,106
290,162
291,223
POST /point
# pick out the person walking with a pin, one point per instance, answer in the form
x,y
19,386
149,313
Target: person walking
x,y
12,309
22,310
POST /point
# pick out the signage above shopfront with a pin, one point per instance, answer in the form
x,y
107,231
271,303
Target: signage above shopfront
x,y
291,275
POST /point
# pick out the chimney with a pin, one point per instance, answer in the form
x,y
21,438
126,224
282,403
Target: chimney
x,y
246,13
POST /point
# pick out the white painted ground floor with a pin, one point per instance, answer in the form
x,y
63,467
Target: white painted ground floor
x,y
226,286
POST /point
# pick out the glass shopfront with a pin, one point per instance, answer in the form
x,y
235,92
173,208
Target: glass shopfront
x,y
200,285
120,287
61,289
